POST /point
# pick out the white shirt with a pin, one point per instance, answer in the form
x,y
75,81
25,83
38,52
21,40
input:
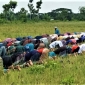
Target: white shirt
x,y
65,36
45,40
82,33
53,36
53,44
82,48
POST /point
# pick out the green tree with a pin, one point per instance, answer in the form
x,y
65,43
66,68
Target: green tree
x,y
30,1
6,8
82,13
9,10
82,10
38,6
62,14
31,8
22,15
34,11
13,5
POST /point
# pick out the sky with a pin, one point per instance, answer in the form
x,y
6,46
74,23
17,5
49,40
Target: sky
x,y
47,5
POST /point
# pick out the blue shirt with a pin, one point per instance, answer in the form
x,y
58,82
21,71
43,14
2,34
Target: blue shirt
x,y
57,31
52,54
29,47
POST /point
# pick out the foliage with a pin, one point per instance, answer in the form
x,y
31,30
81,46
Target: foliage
x,y
82,10
60,14
13,5
8,12
34,11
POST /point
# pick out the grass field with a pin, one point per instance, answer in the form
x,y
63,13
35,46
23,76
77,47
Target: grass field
x,y
64,71
37,28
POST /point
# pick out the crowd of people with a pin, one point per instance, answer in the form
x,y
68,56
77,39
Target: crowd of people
x,y
24,51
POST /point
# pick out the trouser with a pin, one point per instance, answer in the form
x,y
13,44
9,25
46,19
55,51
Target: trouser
x,y
7,61
63,53
35,57
20,59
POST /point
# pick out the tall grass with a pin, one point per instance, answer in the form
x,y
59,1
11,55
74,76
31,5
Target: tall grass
x,y
38,28
64,71
67,71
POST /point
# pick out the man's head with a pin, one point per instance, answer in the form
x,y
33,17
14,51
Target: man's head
x,y
55,28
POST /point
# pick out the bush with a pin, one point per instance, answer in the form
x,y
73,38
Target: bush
x,y
2,21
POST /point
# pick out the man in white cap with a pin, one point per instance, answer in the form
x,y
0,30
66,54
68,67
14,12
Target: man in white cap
x,y
57,31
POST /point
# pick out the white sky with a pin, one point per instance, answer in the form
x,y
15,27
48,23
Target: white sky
x,y
48,5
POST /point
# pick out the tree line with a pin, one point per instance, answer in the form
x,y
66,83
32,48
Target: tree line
x,y
61,14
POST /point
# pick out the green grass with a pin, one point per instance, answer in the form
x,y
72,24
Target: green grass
x,y
38,28
67,71
64,71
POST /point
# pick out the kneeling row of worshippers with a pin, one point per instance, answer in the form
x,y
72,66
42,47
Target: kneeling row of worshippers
x,y
22,57
28,52
27,58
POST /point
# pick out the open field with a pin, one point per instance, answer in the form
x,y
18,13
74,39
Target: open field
x,y
64,71
38,28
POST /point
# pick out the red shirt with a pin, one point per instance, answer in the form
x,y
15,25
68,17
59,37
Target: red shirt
x,y
40,50
9,44
74,47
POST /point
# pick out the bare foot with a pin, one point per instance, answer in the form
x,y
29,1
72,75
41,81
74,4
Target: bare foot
x,y
27,65
30,62
18,67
